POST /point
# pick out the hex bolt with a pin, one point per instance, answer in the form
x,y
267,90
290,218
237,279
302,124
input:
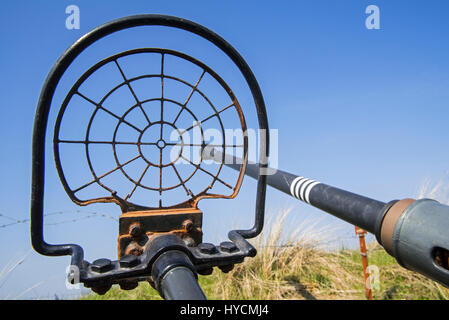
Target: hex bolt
x,y
134,249
207,248
135,230
101,290
187,225
228,246
128,261
128,285
101,265
205,272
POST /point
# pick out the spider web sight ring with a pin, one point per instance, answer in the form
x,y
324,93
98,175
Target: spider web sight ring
x,y
138,183
161,144
122,121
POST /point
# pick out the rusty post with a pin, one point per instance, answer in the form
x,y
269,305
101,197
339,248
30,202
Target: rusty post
x,y
361,234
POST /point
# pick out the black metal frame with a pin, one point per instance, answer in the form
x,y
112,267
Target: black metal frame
x,y
104,274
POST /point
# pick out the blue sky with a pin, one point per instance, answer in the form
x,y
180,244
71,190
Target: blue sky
x,y
364,110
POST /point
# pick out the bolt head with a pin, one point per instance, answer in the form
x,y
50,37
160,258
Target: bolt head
x,y
135,230
134,249
188,225
128,261
207,248
228,246
101,290
128,285
101,265
205,272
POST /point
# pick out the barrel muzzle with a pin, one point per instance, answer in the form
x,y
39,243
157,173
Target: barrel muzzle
x,y
415,232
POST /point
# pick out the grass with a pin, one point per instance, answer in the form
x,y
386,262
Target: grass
x,y
300,266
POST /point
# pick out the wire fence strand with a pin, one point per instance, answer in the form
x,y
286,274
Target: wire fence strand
x,y
86,215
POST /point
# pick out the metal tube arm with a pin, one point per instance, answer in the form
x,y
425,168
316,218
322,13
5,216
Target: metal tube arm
x,y
175,277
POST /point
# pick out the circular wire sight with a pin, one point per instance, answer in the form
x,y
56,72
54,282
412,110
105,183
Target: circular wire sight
x,y
155,154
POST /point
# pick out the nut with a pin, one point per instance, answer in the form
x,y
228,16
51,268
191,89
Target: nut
x,y
228,246
128,285
134,249
226,268
205,272
101,290
187,225
135,230
101,265
128,261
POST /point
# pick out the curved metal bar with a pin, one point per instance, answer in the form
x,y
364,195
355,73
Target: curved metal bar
x,y
46,96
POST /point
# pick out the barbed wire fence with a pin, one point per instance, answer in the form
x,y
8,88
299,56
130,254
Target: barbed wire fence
x,y
7,221
85,215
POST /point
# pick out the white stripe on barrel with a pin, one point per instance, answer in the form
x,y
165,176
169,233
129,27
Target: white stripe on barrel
x,y
292,185
300,188
306,197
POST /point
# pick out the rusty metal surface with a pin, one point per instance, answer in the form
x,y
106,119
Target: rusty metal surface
x,y
389,222
137,229
124,201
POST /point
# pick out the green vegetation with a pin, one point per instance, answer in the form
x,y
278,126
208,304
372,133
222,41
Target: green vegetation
x,y
300,268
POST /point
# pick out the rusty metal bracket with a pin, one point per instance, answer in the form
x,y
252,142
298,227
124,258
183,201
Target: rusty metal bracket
x,y
136,229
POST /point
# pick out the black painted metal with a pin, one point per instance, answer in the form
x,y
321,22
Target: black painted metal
x,y
180,284
164,254
140,268
358,210
175,277
44,103
350,207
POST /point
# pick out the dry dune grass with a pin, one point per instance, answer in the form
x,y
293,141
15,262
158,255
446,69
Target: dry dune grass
x,y
297,263
293,266
435,190
301,267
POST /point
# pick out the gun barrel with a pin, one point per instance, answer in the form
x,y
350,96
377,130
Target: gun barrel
x,y
414,232
358,210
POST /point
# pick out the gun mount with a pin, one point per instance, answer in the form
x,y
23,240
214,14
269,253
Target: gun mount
x,y
160,243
